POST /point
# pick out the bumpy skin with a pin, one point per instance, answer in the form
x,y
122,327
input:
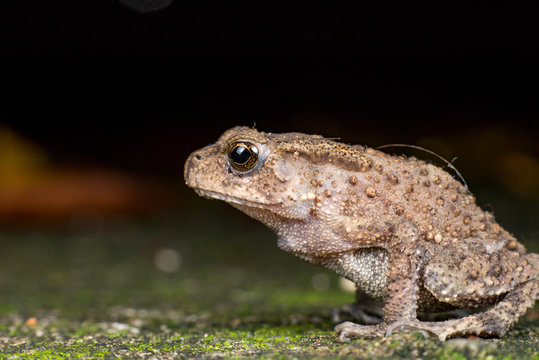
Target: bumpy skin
x,y
402,230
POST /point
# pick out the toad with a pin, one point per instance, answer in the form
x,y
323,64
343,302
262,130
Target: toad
x,y
404,231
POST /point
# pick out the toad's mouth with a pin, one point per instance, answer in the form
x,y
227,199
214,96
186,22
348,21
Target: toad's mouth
x,y
261,210
259,203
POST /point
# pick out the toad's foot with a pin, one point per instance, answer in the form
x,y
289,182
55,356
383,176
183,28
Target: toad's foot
x,y
348,330
445,329
417,325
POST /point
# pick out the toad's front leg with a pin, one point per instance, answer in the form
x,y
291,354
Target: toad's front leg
x,y
401,292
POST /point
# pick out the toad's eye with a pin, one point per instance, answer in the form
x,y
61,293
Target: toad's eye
x,y
243,155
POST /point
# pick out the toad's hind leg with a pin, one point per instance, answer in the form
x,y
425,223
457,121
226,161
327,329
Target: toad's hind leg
x,y
492,322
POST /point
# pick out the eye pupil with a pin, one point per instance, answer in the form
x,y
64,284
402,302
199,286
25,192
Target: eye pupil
x,y
243,156
240,154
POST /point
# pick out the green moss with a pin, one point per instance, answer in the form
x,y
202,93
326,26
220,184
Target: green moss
x,y
61,353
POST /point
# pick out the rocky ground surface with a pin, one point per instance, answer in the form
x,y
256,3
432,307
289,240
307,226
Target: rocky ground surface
x,y
207,283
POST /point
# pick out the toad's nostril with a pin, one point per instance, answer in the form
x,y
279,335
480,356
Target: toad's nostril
x,y
198,157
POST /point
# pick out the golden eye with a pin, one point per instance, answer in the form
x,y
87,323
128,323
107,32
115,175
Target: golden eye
x,y
243,155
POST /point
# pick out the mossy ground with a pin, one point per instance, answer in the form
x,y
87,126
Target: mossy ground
x,y
92,290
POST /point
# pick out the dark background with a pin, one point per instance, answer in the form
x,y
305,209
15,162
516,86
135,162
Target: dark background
x,y
93,83
100,106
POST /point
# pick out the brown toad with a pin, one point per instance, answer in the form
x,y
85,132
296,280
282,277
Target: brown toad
x,y
402,230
